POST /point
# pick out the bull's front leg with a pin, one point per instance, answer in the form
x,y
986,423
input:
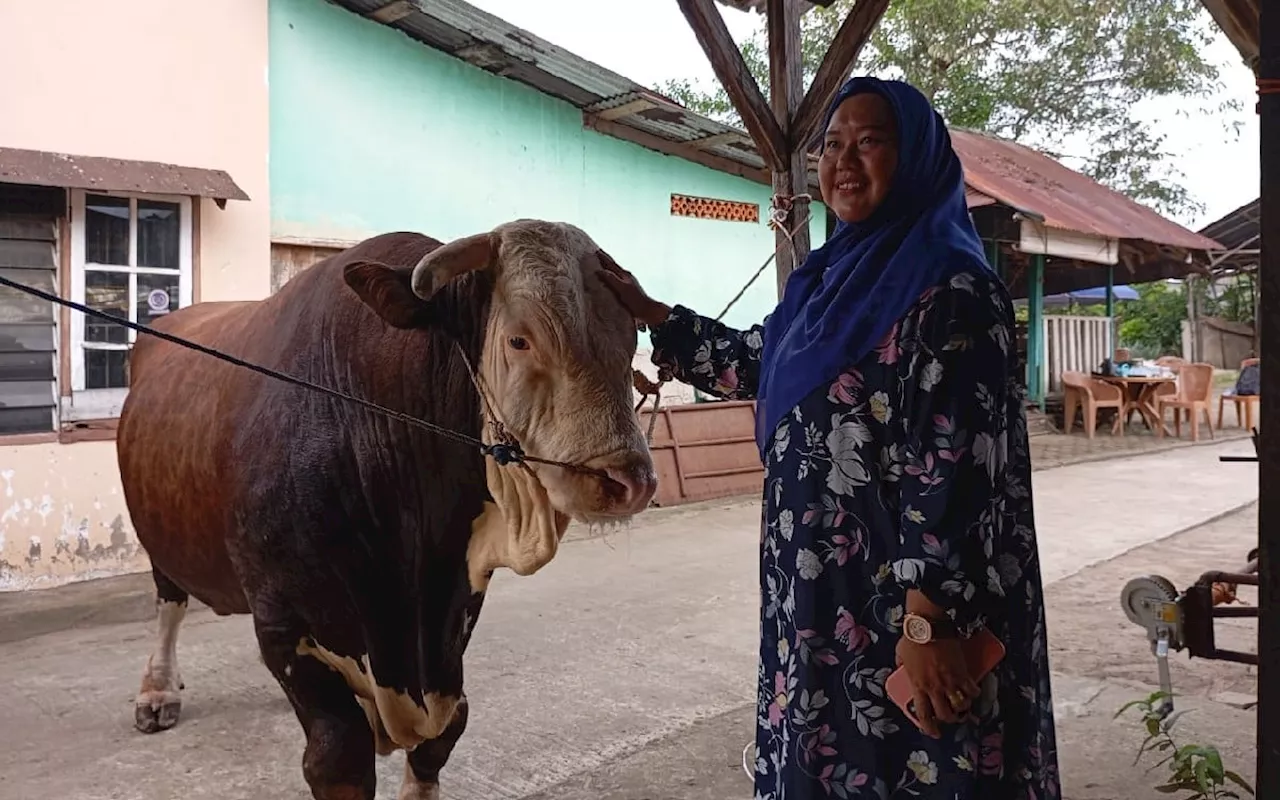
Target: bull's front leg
x,y
423,764
159,701
338,761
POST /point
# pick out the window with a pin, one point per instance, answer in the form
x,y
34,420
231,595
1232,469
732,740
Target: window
x,y
130,256
28,325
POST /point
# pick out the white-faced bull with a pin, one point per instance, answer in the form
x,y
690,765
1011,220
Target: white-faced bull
x,y
362,546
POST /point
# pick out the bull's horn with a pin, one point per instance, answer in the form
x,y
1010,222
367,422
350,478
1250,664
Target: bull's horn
x,y
447,262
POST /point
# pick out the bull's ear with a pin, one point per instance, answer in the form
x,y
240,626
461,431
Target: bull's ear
x,y
437,268
388,291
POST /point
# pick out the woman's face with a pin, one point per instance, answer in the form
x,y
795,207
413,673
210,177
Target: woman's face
x,y
859,156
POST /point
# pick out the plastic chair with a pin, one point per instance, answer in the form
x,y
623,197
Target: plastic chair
x,y
1170,390
1245,402
1195,392
1090,395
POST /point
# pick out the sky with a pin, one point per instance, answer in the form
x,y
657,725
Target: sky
x,y
649,42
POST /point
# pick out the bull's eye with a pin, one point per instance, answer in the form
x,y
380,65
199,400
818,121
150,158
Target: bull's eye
x,y
518,343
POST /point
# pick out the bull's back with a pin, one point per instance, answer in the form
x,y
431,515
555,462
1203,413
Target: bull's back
x,y
173,434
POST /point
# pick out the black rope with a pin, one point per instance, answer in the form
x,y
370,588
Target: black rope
x,y
504,453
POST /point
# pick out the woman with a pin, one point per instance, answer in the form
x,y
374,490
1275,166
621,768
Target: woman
x,y
897,509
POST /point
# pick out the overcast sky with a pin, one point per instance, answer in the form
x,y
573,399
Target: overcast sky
x,y
650,42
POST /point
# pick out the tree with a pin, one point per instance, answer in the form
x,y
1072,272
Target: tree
x,y
1151,326
1041,72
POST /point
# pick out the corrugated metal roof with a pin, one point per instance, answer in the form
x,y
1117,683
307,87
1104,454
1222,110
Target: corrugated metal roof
x,y
1237,229
1240,232
1027,180
41,168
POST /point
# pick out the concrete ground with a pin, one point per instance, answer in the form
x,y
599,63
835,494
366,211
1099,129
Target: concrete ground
x,y
1050,450
625,670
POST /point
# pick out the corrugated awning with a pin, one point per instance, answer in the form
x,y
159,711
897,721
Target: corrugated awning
x,y
1034,183
976,199
41,168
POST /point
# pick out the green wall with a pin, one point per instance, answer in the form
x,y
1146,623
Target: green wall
x,y
372,131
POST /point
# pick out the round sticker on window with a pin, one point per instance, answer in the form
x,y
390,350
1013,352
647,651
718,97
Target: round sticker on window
x,y
158,301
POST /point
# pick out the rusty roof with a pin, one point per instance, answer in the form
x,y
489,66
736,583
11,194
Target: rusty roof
x,y
1029,181
42,168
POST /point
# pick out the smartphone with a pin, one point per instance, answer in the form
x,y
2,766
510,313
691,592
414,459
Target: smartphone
x,y
982,652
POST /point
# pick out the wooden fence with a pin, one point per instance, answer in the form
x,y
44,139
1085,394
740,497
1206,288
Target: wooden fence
x,y
1077,344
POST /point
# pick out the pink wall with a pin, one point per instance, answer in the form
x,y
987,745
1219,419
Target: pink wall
x,y
177,81
156,80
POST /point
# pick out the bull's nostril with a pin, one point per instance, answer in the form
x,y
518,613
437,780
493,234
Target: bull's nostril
x,y
615,485
631,486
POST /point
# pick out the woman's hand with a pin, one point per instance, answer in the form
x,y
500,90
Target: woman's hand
x,y
627,289
944,690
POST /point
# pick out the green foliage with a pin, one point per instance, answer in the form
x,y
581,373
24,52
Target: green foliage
x,y
1151,326
1036,71
1192,768
1231,300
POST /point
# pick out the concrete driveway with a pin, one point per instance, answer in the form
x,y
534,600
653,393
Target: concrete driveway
x,y
633,654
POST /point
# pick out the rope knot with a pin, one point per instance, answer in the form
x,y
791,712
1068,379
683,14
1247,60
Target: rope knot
x,y
505,453
780,208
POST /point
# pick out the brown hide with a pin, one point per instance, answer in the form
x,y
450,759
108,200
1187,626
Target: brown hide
x,y
176,436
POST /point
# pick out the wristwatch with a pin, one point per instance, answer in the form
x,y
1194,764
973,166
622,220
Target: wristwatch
x,y
922,630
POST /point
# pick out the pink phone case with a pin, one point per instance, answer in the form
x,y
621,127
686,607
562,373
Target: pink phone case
x,y
982,651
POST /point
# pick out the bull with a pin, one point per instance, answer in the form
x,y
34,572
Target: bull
x,y
362,546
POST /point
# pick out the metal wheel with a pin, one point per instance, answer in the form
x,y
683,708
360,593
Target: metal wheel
x,y
1141,594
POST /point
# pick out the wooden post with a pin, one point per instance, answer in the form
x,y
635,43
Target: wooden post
x,y
1268,71
786,90
782,127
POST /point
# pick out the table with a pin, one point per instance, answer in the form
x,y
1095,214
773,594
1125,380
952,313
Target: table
x,y
1140,394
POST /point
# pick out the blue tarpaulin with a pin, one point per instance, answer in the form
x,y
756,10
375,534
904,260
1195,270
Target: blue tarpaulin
x,y
1090,297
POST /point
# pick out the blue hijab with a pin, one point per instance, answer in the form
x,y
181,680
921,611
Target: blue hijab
x,y
851,291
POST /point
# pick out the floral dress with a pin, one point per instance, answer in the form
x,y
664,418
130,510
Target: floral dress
x,y
909,471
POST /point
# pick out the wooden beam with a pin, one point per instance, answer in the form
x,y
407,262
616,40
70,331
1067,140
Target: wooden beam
x,y
717,139
790,180
708,26
686,151
393,11
626,109
836,65
1268,75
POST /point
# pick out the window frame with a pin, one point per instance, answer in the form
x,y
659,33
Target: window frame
x,y
89,404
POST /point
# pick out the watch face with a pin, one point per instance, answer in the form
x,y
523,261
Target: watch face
x,y
917,629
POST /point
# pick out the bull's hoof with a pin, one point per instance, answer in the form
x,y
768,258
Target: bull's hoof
x,y
155,716
414,789
420,791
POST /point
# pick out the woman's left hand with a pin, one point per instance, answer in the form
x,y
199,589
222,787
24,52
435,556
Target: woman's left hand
x,y
944,691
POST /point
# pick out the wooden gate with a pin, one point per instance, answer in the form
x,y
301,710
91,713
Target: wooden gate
x,y
705,450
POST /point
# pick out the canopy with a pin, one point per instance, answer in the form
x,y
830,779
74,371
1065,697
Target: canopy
x,y
1091,297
